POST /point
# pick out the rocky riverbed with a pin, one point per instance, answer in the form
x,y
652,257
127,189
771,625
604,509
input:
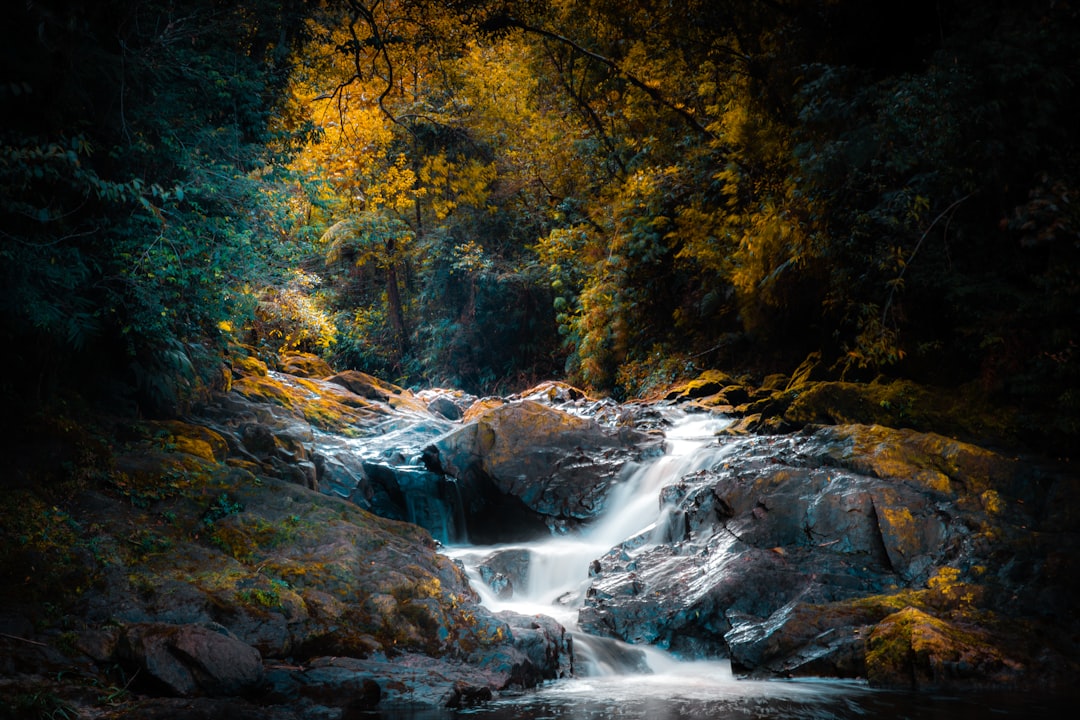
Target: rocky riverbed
x,y
275,553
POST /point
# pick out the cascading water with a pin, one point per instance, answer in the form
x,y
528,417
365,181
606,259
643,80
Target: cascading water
x,y
558,567
614,679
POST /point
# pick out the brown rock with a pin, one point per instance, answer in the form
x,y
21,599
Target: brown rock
x,y
193,659
911,649
306,365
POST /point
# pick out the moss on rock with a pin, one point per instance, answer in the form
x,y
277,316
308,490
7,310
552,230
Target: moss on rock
x,y
913,649
305,365
902,404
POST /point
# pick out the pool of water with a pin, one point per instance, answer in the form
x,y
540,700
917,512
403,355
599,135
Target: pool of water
x,y
663,697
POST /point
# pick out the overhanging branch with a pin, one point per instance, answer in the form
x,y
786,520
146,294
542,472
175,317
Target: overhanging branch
x,y
652,92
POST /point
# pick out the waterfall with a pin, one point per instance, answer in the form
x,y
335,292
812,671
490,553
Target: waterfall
x,y
558,568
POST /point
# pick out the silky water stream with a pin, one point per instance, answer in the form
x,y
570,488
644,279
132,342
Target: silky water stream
x,y
613,679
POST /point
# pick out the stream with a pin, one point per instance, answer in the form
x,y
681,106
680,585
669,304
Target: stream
x,y
614,679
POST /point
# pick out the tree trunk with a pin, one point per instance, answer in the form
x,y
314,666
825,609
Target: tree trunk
x,y
397,314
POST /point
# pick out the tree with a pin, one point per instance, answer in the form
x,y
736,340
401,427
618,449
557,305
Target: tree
x,y
135,150
384,240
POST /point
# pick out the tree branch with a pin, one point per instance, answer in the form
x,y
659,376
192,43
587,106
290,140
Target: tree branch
x,y
892,289
380,43
637,82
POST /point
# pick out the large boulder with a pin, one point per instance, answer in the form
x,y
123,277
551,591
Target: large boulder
x,y
372,388
305,365
911,649
557,465
193,659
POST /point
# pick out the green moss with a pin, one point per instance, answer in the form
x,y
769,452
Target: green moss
x,y
147,475
268,598
904,404
146,543
912,648
247,539
42,542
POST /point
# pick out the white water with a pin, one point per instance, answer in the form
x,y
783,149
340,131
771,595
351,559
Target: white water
x,y
558,573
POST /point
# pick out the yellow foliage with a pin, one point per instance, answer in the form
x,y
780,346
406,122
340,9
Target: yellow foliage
x,y
450,184
945,580
396,187
291,319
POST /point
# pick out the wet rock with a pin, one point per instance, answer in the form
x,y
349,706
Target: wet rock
x,y
202,708
445,407
546,646
461,399
913,650
801,639
770,556
553,393
407,680
940,463
901,404
708,383
372,388
190,438
481,406
505,570
248,366
554,463
364,385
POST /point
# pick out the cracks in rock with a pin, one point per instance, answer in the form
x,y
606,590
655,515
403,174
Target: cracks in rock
x,y
724,527
882,548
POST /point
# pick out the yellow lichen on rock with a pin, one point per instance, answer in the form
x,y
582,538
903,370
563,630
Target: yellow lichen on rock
x,y
305,365
992,502
937,462
913,649
249,366
261,388
480,407
707,383
197,440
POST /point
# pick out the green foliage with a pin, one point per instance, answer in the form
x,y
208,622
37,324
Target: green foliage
x,y
292,317
364,340
224,506
130,181
41,705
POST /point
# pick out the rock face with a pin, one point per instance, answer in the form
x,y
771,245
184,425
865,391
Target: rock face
x,y
193,659
523,457
822,553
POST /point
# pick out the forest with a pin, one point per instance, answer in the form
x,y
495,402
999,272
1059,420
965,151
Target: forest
x,y
484,193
